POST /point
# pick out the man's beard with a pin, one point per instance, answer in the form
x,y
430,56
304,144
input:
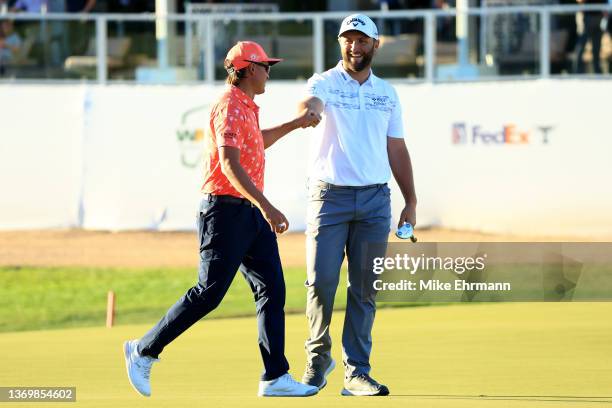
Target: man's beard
x,y
366,59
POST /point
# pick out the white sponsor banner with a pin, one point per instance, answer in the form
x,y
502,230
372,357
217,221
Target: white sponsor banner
x,y
526,158
144,149
40,156
510,157
142,159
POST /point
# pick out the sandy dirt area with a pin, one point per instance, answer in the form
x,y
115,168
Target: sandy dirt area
x,y
168,249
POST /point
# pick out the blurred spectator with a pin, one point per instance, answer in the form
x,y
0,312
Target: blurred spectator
x,y
589,27
56,34
30,6
80,33
80,6
131,6
390,26
445,26
567,22
301,5
55,6
610,34
10,44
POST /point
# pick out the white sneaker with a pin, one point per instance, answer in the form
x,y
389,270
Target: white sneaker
x,y
138,368
285,386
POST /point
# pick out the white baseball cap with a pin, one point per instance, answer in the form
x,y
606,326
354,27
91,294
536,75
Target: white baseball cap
x,y
359,22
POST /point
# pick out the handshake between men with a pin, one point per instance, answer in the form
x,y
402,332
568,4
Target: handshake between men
x,y
308,117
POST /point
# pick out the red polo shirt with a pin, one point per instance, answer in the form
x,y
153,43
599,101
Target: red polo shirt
x,y
234,121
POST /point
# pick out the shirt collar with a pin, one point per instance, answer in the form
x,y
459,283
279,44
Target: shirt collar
x,y
371,81
238,94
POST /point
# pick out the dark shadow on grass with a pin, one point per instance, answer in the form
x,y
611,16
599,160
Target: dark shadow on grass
x,y
531,398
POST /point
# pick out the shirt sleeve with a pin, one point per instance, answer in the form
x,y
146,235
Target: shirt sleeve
x,y
316,87
226,122
396,124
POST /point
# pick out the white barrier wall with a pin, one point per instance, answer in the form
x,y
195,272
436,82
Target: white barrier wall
x,y
516,157
41,132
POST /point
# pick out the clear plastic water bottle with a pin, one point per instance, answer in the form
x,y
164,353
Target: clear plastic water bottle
x,y
406,232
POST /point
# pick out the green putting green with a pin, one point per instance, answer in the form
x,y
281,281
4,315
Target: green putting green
x,y
476,355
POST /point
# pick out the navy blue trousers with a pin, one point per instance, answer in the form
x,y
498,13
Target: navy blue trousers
x,y
232,236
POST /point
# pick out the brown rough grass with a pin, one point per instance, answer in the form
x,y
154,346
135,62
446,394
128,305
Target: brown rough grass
x,y
139,249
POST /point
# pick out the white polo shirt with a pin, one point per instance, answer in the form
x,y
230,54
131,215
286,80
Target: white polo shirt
x,y
350,144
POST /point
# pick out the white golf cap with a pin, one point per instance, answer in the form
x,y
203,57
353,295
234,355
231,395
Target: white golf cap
x,y
359,22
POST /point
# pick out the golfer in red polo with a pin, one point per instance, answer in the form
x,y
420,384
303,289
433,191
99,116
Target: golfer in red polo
x,y
236,229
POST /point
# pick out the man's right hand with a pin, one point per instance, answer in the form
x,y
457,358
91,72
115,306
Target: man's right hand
x,y
278,222
307,118
311,109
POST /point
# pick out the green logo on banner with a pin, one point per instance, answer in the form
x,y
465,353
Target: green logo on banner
x,y
190,135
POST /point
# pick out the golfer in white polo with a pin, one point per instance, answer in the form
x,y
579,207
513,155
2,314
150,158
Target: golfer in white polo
x,y
358,146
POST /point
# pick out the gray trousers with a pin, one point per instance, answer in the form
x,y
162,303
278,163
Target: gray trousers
x,y
342,220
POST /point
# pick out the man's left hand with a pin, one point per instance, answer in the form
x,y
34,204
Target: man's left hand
x,y
408,215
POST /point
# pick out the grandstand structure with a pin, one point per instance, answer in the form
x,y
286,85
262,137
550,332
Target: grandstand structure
x,y
486,43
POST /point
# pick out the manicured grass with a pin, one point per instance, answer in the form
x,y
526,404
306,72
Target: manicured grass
x,y
45,298
502,355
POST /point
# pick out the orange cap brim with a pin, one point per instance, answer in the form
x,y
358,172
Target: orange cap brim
x,y
273,61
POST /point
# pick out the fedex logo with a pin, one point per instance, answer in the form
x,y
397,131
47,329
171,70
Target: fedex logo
x,y
509,134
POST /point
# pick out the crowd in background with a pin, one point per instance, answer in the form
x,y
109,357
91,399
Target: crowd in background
x,y
74,37
78,6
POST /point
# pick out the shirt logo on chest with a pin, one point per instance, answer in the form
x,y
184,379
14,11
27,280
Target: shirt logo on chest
x,y
379,102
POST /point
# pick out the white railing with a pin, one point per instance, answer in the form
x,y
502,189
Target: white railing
x,y
206,23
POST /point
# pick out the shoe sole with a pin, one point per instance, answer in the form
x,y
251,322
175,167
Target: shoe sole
x,y
381,393
126,352
314,392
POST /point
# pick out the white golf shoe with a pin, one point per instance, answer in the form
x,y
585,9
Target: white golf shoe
x,y
138,368
285,386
